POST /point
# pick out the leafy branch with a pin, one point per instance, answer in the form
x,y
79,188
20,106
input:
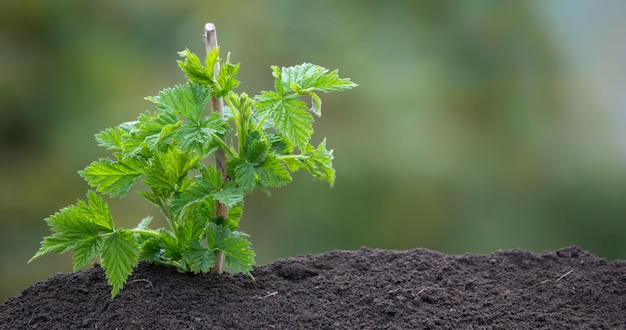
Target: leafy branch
x,y
262,139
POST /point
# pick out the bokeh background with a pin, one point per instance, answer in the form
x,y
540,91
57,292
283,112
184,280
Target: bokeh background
x,y
477,126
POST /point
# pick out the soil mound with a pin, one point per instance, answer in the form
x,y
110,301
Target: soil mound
x,y
364,289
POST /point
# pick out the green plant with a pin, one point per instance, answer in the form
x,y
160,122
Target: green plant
x,y
258,141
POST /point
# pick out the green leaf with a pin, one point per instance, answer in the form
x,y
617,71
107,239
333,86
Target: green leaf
x,y
82,220
306,78
200,259
289,115
155,130
321,164
113,178
150,250
240,110
97,212
230,196
259,166
256,148
72,224
149,132
54,243
234,214
272,173
236,248
193,69
199,195
210,60
171,247
238,253
215,234
168,170
87,250
197,136
279,144
245,176
187,101
309,77
119,256
113,138
318,162
226,79
78,227
165,247
191,227
211,177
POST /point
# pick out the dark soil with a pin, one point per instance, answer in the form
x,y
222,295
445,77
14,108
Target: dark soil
x,y
365,289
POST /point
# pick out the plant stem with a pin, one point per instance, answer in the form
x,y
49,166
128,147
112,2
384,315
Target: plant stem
x,y
147,232
223,145
283,157
209,39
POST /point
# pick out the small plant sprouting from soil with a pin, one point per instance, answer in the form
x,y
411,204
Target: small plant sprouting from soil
x,y
256,142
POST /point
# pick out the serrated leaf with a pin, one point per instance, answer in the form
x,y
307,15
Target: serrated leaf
x,y
97,212
187,101
171,246
199,195
87,250
77,227
156,130
113,178
197,136
161,248
230,196
191,227
256,148
54,243
245,176
238,254
309,77
279,144
149,132
226,79
211,176
212,57
200,259
214,234
150,250
81,220
119,256
318,162
289,115
193,69
272,173
234,214
321,164
113,138
168,169
236,248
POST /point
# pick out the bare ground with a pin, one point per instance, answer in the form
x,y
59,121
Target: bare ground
x,y
365,289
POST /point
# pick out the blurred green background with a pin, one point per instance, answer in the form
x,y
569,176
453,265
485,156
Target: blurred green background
x,y
477,126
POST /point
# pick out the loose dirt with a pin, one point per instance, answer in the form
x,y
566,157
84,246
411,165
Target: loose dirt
x,y
365,289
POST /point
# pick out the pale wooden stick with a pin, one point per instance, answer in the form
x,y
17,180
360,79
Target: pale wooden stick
x,y
209,38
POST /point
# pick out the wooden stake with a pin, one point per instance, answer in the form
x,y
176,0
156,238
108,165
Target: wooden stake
x,y
209,39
